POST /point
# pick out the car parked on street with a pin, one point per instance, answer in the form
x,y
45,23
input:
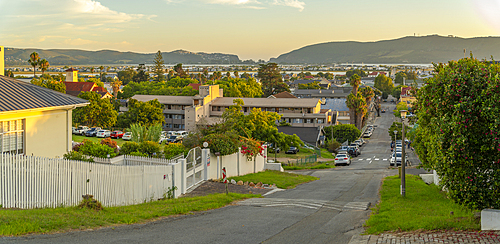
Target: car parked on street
x,y
396,159
127,136
367,134
103,133
117,134
342,159
92,131
354,151
359,142
292,150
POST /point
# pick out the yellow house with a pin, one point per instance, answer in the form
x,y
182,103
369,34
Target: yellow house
x,y
35,120
71,75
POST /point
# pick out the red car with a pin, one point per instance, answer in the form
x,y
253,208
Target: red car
x,y
117,134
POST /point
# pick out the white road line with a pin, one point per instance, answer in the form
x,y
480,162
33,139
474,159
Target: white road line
x,y
385,159
360,159
377,159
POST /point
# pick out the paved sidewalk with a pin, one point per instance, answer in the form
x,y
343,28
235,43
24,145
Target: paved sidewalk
x,y
430,237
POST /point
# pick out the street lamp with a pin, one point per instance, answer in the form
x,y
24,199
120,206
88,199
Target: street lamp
x,y
403,158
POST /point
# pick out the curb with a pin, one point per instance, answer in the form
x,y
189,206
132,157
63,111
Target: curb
x,y
360,239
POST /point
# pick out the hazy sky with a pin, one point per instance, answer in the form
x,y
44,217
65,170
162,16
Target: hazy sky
x,y
251,29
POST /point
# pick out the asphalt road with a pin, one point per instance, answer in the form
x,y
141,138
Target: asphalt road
x,y
329,210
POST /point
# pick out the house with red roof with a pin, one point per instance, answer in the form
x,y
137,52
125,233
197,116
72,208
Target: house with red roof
x,y
75,88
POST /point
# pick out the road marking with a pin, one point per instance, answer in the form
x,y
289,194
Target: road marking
x,y
385,159
360,159
377,159
305,203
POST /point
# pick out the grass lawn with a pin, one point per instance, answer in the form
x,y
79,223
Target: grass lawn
x,y
15,222
281,179
317,165
424,207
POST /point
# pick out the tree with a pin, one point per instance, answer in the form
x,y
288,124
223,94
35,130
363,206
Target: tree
x,y
400,106
44,65
49,82
100,112
236,74
396,91
271,80
143,133
238,87
399,77
180,71
158,68
141,75
358,72
384,83
143,113
116,87
342,133
126,75
33,61
101,68
356,103
92,70
458,130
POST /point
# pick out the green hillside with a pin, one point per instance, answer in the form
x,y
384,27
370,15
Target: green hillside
x,y
16,56
412,50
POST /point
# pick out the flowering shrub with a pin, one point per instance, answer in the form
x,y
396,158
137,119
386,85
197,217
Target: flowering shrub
x,y
110,143
251,147
96,149
458,133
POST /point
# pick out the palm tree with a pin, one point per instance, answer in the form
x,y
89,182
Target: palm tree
x,y
33,61
44,65
355,81
92,69
101,68
116,86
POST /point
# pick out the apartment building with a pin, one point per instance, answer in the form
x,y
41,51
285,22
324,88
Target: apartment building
x,y
184,112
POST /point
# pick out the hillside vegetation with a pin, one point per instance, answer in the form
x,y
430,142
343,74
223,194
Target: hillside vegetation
x,y
412,50
16,56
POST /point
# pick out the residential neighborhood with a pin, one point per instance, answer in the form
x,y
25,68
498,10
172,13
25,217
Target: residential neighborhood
x,y
273,121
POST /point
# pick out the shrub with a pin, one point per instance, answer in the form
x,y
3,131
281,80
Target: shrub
x,y
139,154
110,143
129,147
173,149
332,146
150,148
90,203
74,155
458,132
96,149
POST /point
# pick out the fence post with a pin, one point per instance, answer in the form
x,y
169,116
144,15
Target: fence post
x,y
183,175
238,160
205,158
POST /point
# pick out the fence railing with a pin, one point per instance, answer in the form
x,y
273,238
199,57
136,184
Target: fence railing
x,y
303,160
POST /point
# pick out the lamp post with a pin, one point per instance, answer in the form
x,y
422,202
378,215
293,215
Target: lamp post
x,y
403,156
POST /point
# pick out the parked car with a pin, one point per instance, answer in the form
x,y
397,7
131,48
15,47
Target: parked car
x,y
359,142
127,136
354,151
92,131
396,159
103,133
80,130
181,133
383,111
342,159
117,134
367,134
292,150
163,138
174,139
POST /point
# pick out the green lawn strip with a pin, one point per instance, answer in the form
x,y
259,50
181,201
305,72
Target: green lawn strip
x,y
281,179
317,165
48,220
424,207
77,138
326,154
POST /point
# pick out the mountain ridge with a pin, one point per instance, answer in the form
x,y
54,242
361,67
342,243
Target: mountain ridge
x,y
409,49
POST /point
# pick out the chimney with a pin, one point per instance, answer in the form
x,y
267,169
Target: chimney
x,y
2,65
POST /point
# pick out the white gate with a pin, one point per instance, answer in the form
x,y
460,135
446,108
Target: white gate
x,y
194,168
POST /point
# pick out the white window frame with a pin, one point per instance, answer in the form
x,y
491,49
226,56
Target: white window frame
x,y
12,138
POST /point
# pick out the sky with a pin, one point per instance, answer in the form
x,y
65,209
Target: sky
x,y
251,29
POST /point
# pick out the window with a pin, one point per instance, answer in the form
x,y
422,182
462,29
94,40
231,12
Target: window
x,y
176,126
12,136
321,121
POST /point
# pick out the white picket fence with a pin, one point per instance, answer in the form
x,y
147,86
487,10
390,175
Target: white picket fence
x,y
36,182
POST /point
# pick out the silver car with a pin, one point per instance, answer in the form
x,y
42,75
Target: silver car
x,y
342,159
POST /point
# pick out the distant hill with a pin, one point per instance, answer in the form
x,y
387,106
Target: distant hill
x,y
412,50
16,56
